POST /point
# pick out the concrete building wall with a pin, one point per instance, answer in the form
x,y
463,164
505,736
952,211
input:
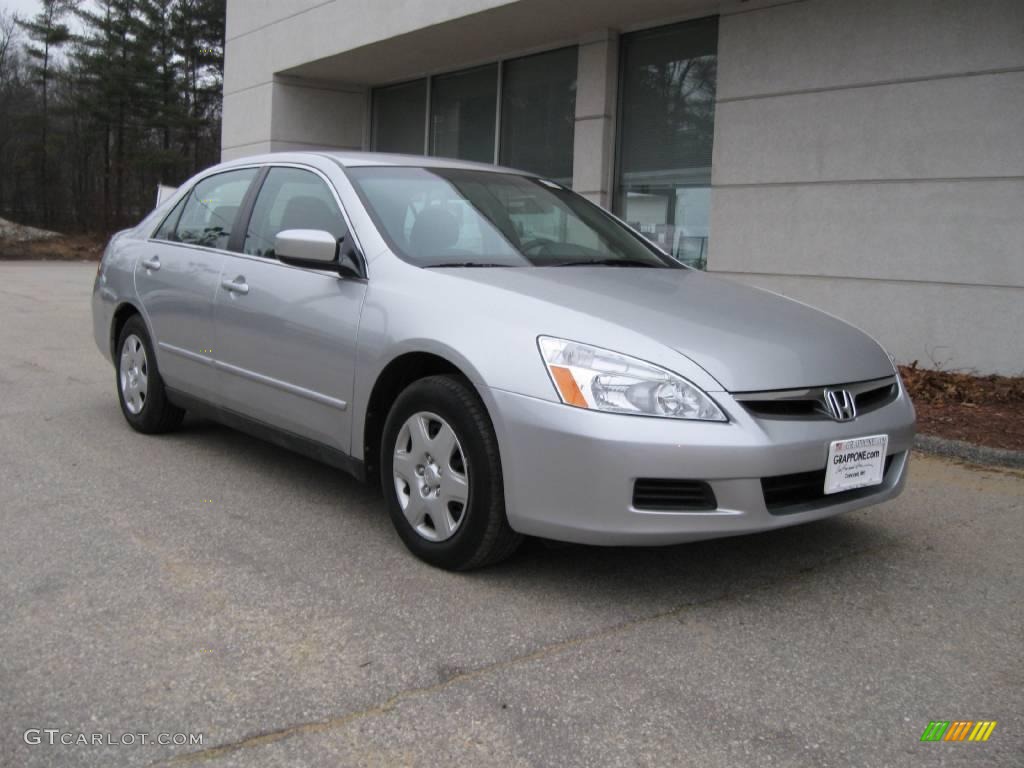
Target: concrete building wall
x,y
593,167
265,111
869,160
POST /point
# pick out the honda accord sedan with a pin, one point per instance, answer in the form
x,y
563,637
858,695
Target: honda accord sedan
x,y
504,357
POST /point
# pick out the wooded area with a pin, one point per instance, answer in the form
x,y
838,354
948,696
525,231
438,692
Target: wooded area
x,y
101,100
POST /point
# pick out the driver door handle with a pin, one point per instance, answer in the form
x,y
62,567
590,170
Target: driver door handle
x,y
238,285
153,262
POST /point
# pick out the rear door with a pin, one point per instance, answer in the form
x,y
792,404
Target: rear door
x,y
286,335
178,275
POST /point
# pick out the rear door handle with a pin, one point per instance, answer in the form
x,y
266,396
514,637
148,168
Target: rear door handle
x,y
153,262
238,285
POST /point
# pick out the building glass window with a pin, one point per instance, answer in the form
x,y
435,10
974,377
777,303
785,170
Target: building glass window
x,y
400,117
666,126
462,114
538,113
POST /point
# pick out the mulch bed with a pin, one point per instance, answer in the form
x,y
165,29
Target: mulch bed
x,y
63,248
985,410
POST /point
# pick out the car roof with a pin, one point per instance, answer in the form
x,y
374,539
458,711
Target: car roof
x,y
355,159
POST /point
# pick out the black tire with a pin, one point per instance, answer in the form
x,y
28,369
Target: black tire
x,y
157,414
483,536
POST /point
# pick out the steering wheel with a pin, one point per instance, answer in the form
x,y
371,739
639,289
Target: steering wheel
x,y
536,246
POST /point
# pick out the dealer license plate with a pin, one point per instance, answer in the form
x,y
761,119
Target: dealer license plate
x,y
855,463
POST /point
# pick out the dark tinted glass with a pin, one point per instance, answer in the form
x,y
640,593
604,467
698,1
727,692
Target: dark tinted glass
x,y
667,94
462,114
211,208
291,198
538,113
399,117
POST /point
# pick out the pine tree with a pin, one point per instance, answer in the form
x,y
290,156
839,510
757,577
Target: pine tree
x,y
199,29
162,87
48,33
115,65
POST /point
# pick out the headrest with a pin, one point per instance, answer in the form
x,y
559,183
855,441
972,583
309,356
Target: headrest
x,y
435,231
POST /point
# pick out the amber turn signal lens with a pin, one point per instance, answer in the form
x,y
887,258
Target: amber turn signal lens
x,y
568,387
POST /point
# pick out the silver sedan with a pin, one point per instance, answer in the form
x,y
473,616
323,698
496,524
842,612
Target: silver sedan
x,y
502,356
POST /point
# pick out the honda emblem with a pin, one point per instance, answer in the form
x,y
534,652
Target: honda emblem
x,y
840,404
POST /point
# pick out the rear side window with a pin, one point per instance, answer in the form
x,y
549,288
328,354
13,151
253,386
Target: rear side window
x,y
291,198
211,208
166,230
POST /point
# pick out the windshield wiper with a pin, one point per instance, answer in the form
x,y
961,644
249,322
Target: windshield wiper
x,y
605,263
467,264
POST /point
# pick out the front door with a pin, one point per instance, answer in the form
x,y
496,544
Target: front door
x,y
286,335
178,275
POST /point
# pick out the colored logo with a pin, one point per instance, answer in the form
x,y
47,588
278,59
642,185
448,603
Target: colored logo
x,y
958,730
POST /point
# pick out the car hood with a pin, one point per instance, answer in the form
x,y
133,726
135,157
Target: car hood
x,y
747,339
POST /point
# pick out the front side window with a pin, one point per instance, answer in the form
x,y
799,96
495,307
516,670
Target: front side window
x,y
211,208
453,217
291,198
667,110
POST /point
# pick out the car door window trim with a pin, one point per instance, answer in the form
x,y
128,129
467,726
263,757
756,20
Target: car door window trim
x,y
248,211
183,194
237,240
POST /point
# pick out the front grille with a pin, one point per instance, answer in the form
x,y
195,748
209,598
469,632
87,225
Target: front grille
x,y
785,494
787,409
673,495
873,399
810,403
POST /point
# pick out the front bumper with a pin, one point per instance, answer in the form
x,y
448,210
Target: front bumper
x,y
569,472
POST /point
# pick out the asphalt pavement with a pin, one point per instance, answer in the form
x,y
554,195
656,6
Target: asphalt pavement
x,y
208,583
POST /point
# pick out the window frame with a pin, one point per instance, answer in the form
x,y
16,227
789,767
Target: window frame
x,y
183,195
249,204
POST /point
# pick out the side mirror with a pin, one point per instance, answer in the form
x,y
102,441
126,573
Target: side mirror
x,y
306,247
317,249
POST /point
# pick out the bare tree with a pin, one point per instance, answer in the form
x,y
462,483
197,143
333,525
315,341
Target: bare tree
x,y
8,39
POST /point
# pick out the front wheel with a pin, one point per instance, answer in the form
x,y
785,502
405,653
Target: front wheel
x,y
441,476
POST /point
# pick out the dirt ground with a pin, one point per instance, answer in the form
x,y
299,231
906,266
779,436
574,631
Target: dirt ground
x,y
60,248
985,410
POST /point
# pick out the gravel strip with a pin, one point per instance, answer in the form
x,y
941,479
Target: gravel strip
x,y
978,454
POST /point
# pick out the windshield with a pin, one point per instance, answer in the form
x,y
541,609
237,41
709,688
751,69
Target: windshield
x,y
435,217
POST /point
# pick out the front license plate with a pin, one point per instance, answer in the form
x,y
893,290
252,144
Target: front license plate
x,y
855,463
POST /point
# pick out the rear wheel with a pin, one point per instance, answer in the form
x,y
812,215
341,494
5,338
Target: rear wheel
x,y
140,389
441,476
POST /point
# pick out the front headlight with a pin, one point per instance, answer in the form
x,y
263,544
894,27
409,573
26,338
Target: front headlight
x,y
601,380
